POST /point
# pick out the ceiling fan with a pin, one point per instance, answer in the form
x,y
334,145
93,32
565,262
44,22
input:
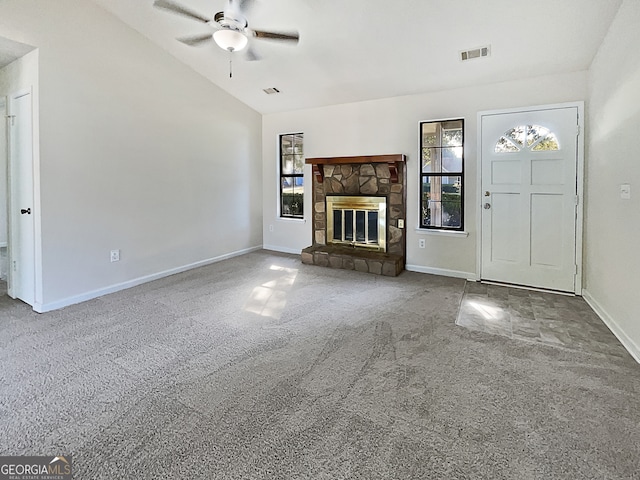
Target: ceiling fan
x,y
231,30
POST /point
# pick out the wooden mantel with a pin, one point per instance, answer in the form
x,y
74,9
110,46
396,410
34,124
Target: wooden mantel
x,y
391,160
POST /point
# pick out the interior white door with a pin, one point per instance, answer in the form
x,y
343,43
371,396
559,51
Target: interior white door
x,y
529,198
4,192
4,187
22,227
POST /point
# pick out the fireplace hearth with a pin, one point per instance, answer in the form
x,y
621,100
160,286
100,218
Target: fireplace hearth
x,y
359,206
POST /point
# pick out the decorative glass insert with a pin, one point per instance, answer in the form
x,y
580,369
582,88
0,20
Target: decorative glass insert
x,y
504,145
442,177
517,135
292,175
527,137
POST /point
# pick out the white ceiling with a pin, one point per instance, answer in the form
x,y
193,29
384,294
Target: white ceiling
x,y
354,50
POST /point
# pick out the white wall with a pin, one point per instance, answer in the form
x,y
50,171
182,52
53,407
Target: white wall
x,y
137,153
612,274
20,74
391,126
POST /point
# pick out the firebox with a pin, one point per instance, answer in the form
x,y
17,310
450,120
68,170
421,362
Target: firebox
x,y
359,221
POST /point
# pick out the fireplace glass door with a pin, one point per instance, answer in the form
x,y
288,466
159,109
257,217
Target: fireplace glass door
x,y
357,221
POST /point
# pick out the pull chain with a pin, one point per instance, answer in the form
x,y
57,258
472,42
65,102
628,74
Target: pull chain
x,y
230,64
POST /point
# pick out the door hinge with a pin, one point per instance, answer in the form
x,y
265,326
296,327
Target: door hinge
x,y
575,269
13,119
577,199
577,129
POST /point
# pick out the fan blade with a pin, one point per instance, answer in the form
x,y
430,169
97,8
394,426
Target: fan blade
x,y
251,55
180,10
290,37
195,40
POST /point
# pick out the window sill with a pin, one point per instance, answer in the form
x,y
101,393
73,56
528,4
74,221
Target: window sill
x,y
441,233
291,219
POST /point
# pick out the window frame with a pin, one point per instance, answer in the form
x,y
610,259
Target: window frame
x,y
422,175
293,176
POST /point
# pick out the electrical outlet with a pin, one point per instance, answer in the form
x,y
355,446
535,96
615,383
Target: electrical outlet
x,y
271,228
115,255
625,191
401,223
421,243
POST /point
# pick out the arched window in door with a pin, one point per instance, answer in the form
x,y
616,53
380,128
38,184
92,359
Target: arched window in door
x,y
527,137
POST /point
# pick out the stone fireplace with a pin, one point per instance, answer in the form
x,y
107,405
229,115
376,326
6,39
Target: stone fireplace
x,y
359,208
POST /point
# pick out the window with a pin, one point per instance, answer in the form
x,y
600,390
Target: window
x,y
527,137
291,175
442,174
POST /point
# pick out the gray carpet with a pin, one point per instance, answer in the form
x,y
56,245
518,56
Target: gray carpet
x,y
260,367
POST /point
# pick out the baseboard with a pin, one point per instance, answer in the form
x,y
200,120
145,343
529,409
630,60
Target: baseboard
x,y
83,297
625,340
275,248
441,271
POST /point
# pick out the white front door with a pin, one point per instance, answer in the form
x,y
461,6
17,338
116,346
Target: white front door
x,y
22,226
529,197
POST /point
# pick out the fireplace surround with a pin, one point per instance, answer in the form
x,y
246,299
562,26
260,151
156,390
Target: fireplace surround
x,y
359,208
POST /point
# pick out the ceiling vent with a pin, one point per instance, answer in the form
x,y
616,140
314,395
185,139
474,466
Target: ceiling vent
x,y
475,53
271,91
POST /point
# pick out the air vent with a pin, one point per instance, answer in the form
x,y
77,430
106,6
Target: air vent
x,y
475,53
271,91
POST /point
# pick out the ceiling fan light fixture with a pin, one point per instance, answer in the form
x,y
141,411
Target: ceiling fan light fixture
x,y
231,40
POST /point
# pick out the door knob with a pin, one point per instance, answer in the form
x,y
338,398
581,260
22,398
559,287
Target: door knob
x,y
487,206
27,211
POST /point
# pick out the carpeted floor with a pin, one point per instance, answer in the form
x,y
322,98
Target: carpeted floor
x,y
260,367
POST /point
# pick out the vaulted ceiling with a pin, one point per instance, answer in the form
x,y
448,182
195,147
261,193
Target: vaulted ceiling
x,y
354,50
